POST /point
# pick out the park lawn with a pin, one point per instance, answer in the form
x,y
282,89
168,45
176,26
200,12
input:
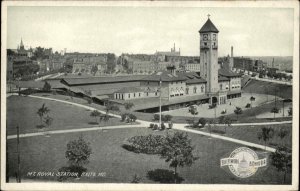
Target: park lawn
x,y
250,134
22,112
42,153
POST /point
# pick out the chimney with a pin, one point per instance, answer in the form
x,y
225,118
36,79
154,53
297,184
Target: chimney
x,y
232,51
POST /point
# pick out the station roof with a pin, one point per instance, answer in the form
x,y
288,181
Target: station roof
x,y
164,77
129,90
99,80
228,73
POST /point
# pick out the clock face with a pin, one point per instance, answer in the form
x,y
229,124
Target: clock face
x,y
214,37
205,37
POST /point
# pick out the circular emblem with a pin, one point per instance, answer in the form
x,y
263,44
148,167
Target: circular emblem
x,y
243,168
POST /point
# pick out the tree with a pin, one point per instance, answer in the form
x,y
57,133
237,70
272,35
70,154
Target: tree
x,y
111,62
178,150
111,107
266,134
290,111
94,70
251,100
78,152
48,121
227,122
47,87
193,111
282,160
43,111
167,118
128,105
156,117
95,114
202,121
238,111
274,110
282,133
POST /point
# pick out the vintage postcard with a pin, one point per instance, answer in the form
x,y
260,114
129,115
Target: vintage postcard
x,y
152,95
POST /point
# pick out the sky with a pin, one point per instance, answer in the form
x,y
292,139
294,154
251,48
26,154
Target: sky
x,y
251,31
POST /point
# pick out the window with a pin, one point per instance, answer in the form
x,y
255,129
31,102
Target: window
x,y
187,91
139,94
122,96
221,86
129,95
133,94
202,89
155,93
195,89
205,44
147,94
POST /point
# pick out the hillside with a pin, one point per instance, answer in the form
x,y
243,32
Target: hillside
x,y
261,87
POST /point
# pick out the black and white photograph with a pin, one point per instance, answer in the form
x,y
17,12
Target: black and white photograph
x,y
150,95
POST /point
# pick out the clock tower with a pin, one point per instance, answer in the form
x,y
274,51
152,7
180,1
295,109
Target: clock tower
x,y
209,55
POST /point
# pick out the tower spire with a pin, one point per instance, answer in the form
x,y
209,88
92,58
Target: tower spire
x,y
21,44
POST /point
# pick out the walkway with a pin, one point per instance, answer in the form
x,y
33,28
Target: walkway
x,y
176,126
71,131
273,81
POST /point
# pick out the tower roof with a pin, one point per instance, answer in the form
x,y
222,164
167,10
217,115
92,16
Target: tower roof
x,y
208,27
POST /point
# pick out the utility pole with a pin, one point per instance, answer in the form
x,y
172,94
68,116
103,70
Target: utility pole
x,y
18,152
160,103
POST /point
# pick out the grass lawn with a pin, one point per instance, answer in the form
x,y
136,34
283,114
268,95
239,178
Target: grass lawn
x,y
250,133
48,154
22,112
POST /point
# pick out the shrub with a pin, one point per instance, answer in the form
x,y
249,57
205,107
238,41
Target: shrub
x,y
202,121
192,123
156,117
164,176
151,125
149,144
290,111
275,110
170,125
132,117
123,117
248,105
167,118
155,127
163,127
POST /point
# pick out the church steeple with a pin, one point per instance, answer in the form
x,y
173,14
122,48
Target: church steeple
x,y
21,44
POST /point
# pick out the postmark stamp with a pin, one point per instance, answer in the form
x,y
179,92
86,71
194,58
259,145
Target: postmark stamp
x,y
243,162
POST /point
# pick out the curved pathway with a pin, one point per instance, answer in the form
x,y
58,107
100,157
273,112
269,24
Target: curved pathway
x,y
177,126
